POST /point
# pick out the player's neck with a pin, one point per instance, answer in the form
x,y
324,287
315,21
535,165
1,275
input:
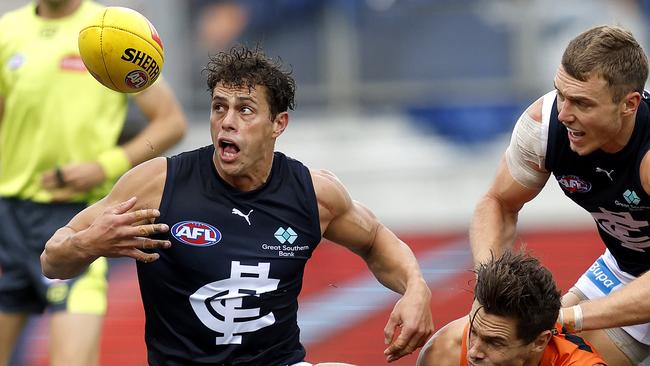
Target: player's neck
x,y
534,360
252,179
54,10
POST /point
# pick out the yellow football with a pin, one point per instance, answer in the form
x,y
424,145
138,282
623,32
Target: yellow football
x,y
122,49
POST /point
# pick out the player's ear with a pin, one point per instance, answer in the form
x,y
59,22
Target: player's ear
x,y
631,103
280,123
539,344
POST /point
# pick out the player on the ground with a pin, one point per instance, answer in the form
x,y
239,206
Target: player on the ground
x,y
512,322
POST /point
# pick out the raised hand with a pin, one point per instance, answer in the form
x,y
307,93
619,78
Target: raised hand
x,y
120,233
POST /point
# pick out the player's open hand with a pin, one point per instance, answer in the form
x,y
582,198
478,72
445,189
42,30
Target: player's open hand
x,y
119,232
70,180
410,324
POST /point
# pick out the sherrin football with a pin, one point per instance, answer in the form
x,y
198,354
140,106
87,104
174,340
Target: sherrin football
x,y
122,49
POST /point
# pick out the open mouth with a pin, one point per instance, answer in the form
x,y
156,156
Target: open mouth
x,y
575,133
228,149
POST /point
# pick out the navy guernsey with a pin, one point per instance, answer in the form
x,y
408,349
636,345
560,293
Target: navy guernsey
x,y
226,291
609,187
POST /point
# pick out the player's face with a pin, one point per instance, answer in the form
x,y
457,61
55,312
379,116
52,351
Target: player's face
x,y
592,119
57,8
57,4
243,133
492,341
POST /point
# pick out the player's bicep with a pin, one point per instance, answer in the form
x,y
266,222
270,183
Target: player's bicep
x,y
355,229
508,192
343,220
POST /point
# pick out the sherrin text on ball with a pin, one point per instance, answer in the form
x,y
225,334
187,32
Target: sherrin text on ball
x,y
122,49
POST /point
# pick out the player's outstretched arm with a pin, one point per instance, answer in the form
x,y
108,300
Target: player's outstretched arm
x,y
354,226
493,226
116,226
629,305
518,180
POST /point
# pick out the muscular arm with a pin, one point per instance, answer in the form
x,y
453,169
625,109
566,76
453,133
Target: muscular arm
x,y
627,306
493,226
115,226
354,226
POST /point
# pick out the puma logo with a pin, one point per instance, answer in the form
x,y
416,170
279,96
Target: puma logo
x,y
236,211
609,173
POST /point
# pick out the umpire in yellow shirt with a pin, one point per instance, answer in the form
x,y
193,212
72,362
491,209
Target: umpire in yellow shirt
x,y
58,152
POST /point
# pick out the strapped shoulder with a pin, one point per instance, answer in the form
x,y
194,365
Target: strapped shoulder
x,y
526,153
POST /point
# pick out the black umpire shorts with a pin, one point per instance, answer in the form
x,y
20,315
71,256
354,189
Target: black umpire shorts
x,y
25,227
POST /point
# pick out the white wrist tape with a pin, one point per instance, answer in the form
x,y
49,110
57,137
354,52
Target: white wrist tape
x,y
577,318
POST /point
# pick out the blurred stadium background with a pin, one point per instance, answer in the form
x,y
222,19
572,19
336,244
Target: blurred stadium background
x,y
410,103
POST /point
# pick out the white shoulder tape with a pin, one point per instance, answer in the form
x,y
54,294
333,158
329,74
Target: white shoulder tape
x,y
526,154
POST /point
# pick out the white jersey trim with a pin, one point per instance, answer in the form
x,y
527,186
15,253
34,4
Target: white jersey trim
x,y
547,108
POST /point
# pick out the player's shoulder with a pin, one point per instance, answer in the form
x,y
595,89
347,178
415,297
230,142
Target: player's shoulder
x,y
536,109
575,350
323,174
147,179
444,347
330,191
325,180
150,168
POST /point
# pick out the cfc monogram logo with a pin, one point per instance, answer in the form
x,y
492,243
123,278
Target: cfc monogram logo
x,y
622,226
225,298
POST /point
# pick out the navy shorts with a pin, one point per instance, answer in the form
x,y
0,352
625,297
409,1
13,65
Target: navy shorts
x,y
25,227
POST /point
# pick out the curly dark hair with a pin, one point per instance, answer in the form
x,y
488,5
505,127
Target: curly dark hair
x,y
241,66
517,286
612,53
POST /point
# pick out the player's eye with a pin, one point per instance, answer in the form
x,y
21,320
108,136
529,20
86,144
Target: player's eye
x,y
495,344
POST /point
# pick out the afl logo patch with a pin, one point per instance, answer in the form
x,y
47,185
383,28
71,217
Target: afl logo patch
x,y
573,184
196,233
136,79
